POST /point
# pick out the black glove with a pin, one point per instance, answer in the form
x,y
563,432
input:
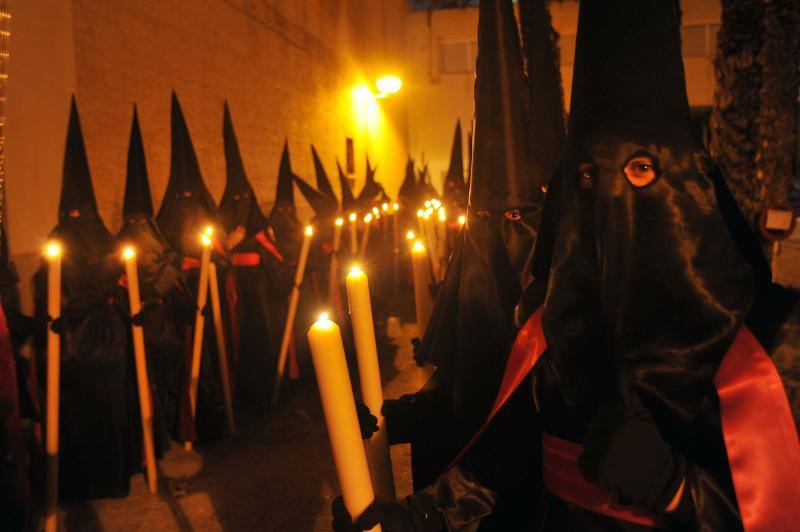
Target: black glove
x,y
366,421
624,453
401,418
416,513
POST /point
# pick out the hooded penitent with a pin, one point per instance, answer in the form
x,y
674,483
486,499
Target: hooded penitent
x,y
455,192
323,183
373,192
408,188
165,299
257,269
97,453
651,277
472,323
349,203
283,217
187,208
424,185
239,204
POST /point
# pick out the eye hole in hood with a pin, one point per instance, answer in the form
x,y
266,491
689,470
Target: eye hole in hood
x,y
641,169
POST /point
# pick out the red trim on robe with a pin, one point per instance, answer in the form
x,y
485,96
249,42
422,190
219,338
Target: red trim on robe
x,y
757,424
269,246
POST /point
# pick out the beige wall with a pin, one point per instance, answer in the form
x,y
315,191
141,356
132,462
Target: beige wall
x,y
440,98
287,69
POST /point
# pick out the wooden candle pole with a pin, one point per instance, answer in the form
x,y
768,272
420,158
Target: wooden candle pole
x,y
142,380
288,329
365,236
53,254
222,351
333,275
377,446
199,325
338,405
353,218
422,280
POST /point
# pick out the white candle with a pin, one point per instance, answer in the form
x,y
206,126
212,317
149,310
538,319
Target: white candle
x,y
353,233
333,276
422,279
53,256
222,350
199,325
142,379
292,311
336,394
377,446
365,235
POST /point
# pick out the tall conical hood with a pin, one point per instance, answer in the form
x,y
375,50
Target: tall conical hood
x,y
77,193
323,183
137,187
544,83
408,189
472,324
424,186
348,200
239,205
283,216
628,69
187,205
284,193
642,234
373,191
502,165
455,192
323,205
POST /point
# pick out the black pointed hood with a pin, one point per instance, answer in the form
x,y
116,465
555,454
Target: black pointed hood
x,y
349,202
239,204
455,192
284,192
544,84
77,193
137,187
323,205
187,206
89,271
323,183
408,189
373,192
283,216
424,186
472,322
643,236
627,72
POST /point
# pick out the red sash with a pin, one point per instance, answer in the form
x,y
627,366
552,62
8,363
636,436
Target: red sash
x,y
269,246
246,259
757,425
190,263
563,479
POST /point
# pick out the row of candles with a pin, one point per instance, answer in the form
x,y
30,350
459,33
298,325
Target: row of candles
x,y
353,461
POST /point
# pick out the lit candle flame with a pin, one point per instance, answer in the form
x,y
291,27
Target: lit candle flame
x,y
418,246
395,206
353,217
205,240
442,214
420,213
462,220
368,218
128,253
428,204
410,235
209,230
385,207
323,316
375,211
309,230
355,269
436,203
53,249
339,222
